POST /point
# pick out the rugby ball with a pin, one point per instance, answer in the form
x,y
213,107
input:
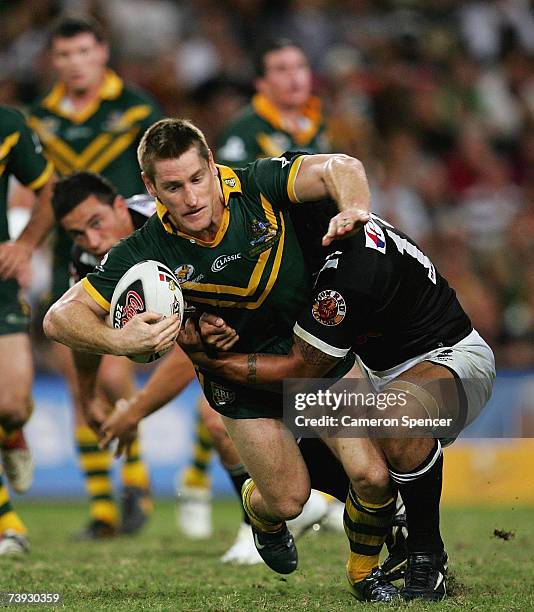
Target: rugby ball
x,y
147,286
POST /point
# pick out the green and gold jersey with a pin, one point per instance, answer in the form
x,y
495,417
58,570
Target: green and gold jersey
x,y
21,155
259,132
102,138
252,274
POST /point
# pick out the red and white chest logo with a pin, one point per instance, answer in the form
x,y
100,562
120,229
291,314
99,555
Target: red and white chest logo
x,y
329,308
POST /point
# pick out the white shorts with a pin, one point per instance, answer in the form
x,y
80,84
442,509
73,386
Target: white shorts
x,y
471,360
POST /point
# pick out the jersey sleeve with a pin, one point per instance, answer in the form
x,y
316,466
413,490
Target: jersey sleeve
x,y
101,283
275,178
27,160
339,311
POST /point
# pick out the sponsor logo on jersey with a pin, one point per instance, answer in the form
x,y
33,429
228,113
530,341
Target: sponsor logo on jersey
x,y
374,237
329,308
223,260
184,272
230,182
221,395
133,305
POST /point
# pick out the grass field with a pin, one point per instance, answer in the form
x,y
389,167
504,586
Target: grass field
x,y
159,570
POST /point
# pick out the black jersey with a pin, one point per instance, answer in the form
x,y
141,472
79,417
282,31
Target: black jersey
x,y
141,207
380,296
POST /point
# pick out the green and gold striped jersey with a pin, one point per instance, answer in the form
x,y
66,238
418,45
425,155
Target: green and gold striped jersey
x,y
252,274
21,155
102,138
259,131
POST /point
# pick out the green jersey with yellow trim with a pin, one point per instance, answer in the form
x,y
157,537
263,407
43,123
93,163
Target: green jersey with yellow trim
x,y
21,155
259,131
252,274
102,138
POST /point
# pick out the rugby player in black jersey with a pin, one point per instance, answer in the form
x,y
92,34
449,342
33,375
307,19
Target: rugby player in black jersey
x,y
379,295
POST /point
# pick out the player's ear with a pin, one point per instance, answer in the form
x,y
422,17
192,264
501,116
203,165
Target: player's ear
x,y
211,163
119,204
149,185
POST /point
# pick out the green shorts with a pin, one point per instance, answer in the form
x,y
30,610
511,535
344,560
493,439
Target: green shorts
x,y
14,312
239,402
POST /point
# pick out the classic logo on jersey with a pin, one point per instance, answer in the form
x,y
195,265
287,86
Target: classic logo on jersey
x,y
374,237
184,273
231,182
221,395
329,308
223,260
133,305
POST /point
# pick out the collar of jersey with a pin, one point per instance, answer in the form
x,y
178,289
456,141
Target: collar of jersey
x,y
311,110
230,185
111,88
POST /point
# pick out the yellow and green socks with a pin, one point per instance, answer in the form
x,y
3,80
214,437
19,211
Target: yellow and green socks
x,y
257,521
366,525
96,466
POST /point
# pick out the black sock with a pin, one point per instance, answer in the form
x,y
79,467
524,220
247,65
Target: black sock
x,y
238,474
420,490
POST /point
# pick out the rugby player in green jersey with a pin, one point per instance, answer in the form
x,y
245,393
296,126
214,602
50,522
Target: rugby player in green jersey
x,y
90,120
20,156
230,234
282,116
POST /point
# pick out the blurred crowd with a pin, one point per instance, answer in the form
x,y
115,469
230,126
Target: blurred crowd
x,y
436,98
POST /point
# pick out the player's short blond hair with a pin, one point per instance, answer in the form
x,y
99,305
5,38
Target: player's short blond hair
x,y
169,139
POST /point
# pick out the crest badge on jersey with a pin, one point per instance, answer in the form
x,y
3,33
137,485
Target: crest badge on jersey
x,y
329,308
221,395
374,237
184,273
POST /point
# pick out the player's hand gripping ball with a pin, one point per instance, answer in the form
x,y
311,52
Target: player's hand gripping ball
x,y
147,286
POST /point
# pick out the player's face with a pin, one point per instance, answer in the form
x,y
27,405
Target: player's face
x,y
80,61
189,188
287,78
96,226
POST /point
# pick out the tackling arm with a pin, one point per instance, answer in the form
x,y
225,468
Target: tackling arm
x,y
268,371
341,178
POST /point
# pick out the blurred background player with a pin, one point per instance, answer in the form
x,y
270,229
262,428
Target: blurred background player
x,y
91,121
20,156
283,116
